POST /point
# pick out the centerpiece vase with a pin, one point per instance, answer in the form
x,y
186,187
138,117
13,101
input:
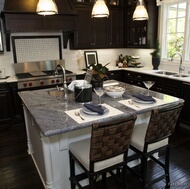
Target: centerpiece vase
x,y
96,83
155,63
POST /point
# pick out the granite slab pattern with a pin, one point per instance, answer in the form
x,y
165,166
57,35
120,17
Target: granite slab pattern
x,y
49,112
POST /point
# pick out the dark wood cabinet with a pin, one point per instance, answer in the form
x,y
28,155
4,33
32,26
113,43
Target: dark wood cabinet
x,y
115,29
6,101
11,107
82,36
185,118
27,22
134,78
140,34
165,85
97,32
113,74
162,85
116,75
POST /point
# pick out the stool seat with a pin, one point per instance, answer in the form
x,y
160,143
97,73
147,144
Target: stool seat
x,y
138,136
81,151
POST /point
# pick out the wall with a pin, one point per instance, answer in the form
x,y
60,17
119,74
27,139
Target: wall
x,y
70,56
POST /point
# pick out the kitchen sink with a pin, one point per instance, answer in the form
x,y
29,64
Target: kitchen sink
x,y
182,75
173,74
166,73
55,93
59,94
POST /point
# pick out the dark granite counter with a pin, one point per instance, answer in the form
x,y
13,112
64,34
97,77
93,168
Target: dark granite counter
x,y
49,112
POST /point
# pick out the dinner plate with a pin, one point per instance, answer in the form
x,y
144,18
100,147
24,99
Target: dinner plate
x,y
143,102
89,112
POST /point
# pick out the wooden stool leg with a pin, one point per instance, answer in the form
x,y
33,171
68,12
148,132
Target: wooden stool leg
x,y
72,171
124,177
91,182
167,167
143,171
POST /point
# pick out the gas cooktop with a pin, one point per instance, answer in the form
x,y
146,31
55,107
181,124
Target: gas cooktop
x,y
39,74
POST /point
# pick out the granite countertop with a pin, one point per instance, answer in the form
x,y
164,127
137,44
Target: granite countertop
x,y
49,112
9,79
145,70
149,71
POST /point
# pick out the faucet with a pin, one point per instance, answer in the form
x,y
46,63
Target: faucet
x,y
181,68
64,77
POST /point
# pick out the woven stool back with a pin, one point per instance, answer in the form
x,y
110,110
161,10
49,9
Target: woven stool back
x,y
111,138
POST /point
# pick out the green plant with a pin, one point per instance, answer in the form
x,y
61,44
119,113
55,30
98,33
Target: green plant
x,y
156,52
99,71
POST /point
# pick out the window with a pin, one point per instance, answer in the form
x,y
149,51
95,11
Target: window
x,y
174,30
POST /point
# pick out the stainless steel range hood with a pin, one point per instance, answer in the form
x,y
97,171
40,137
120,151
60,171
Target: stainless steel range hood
x,y
20,16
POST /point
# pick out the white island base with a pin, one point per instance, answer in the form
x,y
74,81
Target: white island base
x,y
50,154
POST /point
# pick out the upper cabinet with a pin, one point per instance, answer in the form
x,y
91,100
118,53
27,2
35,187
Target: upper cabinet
x,y
140,34
98,32
20,16
84,32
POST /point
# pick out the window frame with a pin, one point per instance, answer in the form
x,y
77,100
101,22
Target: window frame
x,y
163,12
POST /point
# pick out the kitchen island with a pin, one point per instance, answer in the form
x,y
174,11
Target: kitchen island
x,y
51,126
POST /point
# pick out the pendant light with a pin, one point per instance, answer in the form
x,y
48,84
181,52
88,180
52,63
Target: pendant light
x,y
140,12
46,7
100,9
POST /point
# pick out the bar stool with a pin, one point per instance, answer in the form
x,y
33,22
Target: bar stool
x,y
149,139
104,152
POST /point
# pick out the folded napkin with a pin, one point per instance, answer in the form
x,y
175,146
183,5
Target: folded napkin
x,y
144,98
95,108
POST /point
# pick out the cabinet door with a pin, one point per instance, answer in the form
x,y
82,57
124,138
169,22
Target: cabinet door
x,y
158,82
134,78
6,110
82,35
116,28
116,75
171,87
186,109
100,32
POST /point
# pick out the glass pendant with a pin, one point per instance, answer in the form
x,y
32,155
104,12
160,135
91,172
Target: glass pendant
x,y
100,9
46,7
140,12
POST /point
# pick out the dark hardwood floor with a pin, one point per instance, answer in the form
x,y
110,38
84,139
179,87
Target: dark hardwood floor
x,y
17,170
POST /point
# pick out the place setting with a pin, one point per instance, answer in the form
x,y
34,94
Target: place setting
x,y
93,110
142,101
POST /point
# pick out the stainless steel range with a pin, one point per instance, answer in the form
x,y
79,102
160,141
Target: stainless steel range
x,y
38,75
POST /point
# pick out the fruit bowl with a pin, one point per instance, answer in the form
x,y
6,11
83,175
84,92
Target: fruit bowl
x,y
114,91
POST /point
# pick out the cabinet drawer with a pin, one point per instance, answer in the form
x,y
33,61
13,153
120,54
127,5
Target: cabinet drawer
x,y
171,83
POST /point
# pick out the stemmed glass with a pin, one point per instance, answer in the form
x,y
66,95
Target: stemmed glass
x,y
148,85
99,91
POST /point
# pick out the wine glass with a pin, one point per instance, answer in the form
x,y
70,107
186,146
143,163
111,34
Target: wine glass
x,y
99,91
148,85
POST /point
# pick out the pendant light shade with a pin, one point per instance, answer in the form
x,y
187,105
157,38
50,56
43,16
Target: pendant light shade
x,y
140,12
100,9
46,7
